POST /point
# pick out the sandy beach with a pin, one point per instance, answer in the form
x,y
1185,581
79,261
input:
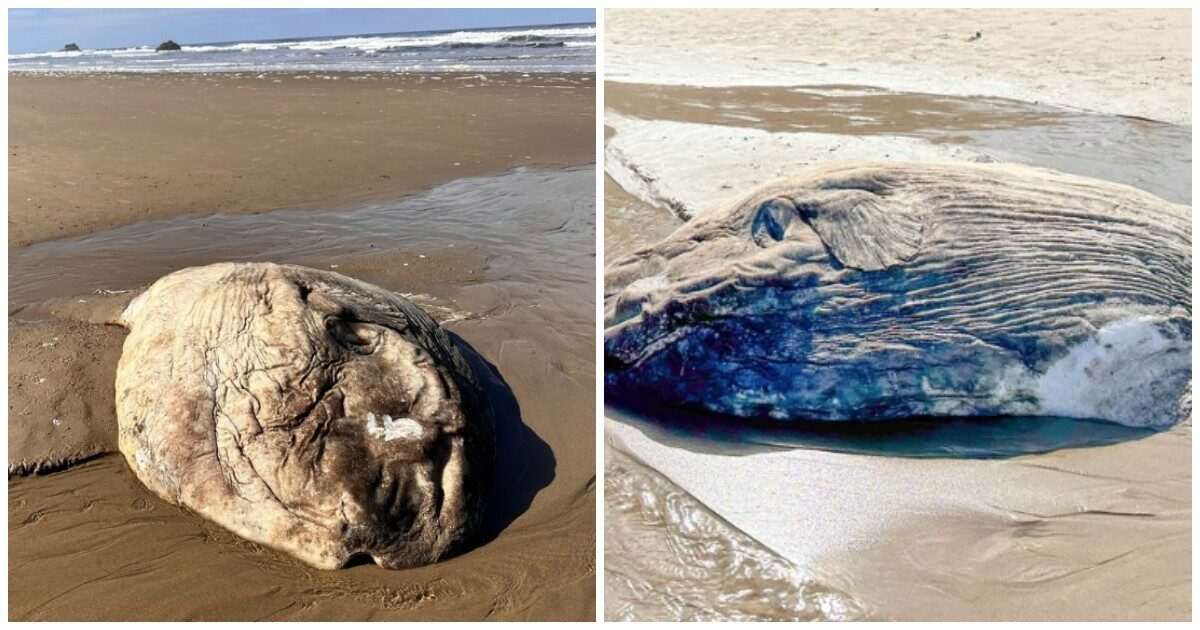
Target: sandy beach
x,y
977,522
89,152
118,179
1134,62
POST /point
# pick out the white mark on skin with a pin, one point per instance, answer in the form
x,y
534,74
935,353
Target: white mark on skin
x,y
389,428
1108,375
55,422
653,284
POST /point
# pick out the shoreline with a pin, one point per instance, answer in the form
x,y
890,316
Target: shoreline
x,y
750,136
279,72
1143,113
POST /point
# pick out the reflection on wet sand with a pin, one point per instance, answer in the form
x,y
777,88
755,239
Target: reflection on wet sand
x,y
1146,154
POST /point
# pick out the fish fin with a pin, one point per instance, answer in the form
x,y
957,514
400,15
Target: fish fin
x,y
863,223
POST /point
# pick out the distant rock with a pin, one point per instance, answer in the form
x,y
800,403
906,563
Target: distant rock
x,y
71,48
168,45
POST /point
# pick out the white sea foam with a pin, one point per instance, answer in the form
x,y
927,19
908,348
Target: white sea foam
x,y
367,43
377,43
535,49
140,51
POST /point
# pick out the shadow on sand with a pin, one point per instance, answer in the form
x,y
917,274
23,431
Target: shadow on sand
x,y
524,462
983,437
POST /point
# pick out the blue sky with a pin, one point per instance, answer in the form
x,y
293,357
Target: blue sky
x,y
37,30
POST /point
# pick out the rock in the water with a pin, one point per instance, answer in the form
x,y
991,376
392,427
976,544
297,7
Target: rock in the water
x,y
306,411
168,45
71,48
877,292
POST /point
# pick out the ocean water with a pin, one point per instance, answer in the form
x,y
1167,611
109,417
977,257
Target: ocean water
x,y
554,48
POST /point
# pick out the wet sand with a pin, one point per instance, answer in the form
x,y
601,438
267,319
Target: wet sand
x,y
742,137
504,259
88,152
1132,62
630,222
1080,532
995,521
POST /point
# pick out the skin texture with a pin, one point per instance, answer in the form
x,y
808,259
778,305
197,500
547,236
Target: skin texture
x,y
306,411
876,292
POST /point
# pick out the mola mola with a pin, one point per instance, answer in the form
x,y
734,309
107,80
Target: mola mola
x,y
306,411
889,291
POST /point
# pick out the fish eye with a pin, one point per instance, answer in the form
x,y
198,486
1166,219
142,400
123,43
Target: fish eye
x,y
358,336
771,222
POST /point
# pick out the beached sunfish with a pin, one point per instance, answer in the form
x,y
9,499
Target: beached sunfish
x,y
889,291
306,411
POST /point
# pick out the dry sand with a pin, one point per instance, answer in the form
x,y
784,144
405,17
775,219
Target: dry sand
x,y
1135,62
86,540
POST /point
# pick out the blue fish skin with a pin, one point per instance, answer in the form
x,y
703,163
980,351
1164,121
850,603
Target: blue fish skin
x,y
889,291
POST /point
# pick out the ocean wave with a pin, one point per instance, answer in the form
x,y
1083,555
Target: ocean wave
x,y
568,48
574,36
138,51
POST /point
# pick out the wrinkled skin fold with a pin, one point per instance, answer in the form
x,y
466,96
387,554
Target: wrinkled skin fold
x,y
888,291
303,410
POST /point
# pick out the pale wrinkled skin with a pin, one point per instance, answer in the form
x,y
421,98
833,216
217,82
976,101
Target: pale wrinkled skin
x,y
888,291
305,411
